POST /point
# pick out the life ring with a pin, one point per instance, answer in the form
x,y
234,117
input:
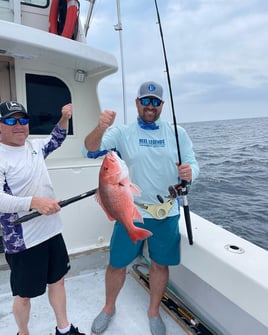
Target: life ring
x,y
69,21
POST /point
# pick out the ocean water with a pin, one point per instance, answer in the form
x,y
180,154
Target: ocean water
x,y
232,188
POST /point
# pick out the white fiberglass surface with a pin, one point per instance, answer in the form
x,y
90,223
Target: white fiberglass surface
x,y
85,297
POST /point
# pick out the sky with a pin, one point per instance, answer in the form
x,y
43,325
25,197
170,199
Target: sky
x,y
217,54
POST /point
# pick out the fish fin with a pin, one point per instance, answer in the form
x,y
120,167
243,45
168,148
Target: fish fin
x,y
135,189
139,234
124,181
137,215
98,198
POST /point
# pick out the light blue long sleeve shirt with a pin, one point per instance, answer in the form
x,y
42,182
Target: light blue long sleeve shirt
x,y
151,157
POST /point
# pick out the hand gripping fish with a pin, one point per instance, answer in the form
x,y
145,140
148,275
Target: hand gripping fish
x,y
115,196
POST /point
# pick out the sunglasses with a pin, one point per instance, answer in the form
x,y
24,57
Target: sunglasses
x,y
147,101
11,121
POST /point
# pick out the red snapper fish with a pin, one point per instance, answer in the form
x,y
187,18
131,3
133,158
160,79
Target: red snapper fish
x,y
115,196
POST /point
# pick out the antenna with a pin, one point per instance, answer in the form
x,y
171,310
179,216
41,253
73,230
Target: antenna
x,y
89,14
118,27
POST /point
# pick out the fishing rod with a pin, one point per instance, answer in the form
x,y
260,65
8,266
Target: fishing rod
x,y
62,203
181,188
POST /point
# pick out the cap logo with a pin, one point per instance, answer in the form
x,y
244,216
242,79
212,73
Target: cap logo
x,y
12,105
151,88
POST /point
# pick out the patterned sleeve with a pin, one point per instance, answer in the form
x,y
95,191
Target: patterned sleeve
x,y
57,137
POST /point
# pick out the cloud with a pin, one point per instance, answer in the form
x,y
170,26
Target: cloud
x,y
216,52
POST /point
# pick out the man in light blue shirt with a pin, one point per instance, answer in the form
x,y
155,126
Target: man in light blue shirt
x,y
148,146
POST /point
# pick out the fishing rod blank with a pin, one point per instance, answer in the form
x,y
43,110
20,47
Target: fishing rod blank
x,y
183,191
62,203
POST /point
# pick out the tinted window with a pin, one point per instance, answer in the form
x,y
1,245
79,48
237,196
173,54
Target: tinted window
x,y
45,97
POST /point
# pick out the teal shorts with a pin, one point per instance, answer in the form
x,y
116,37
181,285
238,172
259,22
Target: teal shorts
x,y
163,245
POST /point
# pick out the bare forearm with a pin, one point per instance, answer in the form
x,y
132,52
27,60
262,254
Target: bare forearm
x,y
93,139
64,123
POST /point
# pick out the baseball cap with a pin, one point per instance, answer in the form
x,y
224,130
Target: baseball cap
x,y
8,108
150,89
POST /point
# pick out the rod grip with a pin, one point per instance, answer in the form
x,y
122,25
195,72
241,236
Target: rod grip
x,y
62,203
188,224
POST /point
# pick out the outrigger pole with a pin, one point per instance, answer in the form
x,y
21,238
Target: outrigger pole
x,y
182,190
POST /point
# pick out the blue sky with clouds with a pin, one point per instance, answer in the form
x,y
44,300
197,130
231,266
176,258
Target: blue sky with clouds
x,y
217,53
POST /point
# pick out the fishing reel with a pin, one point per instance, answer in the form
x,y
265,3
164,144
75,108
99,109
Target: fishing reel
x,y
175,191
180,189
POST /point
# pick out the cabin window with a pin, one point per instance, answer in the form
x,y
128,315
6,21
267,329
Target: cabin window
x,y
45,97
37,3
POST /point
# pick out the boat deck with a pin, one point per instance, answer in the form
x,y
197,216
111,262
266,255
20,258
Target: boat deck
x,y
85,298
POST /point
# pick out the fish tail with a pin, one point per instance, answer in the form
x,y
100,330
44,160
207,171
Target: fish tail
x,y
139,234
